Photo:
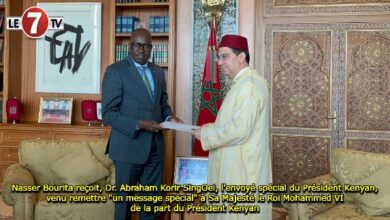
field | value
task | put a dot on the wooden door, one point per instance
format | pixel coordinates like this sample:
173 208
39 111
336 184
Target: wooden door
330 86
301 102
366 119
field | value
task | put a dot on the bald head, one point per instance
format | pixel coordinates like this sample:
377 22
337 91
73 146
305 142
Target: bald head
141 45
141 32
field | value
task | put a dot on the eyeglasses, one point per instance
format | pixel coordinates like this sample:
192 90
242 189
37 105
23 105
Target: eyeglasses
223 56
137 46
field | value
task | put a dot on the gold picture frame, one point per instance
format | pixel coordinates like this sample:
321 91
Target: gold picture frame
55 110
191 170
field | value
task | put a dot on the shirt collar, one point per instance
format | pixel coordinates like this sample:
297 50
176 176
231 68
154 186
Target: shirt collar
139 65
240 72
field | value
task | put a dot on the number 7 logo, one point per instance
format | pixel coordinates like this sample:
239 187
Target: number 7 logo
35 22
34 26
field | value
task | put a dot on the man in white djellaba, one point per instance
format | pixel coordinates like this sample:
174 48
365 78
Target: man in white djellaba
238 141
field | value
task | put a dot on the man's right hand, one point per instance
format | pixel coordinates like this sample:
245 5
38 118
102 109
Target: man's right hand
150 126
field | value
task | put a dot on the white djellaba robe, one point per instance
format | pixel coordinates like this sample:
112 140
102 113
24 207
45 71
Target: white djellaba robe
238 141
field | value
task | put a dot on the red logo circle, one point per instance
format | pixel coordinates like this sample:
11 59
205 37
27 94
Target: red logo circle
35 22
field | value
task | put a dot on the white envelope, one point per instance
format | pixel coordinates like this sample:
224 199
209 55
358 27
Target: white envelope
179 126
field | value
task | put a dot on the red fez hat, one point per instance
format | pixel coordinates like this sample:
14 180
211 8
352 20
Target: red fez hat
234 41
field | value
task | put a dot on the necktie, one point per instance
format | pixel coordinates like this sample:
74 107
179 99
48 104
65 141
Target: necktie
145 79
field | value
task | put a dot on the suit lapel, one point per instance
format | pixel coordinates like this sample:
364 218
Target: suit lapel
156 82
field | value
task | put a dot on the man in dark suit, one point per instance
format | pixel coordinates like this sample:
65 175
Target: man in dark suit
134 103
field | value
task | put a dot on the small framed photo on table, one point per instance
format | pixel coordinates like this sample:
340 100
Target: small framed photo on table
191 170
55 110
99 114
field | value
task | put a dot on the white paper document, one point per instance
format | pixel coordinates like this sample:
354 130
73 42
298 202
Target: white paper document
179 126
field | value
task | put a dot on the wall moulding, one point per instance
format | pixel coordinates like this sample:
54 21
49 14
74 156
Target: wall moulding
325 7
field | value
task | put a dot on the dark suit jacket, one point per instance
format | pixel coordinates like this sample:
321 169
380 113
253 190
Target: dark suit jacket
125 101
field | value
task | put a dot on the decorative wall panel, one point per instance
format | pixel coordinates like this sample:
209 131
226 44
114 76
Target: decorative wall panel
324 2
299 158
368 80
354 50
201 33
376 146
301 79
325 7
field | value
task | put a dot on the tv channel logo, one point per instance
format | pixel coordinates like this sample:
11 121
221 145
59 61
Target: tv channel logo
35 22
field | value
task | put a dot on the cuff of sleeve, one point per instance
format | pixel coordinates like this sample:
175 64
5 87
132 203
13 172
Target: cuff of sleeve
168 118
202 140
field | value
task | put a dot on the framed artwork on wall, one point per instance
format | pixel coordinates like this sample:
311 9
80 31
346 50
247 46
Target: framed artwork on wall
191 170
68 60
55 110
